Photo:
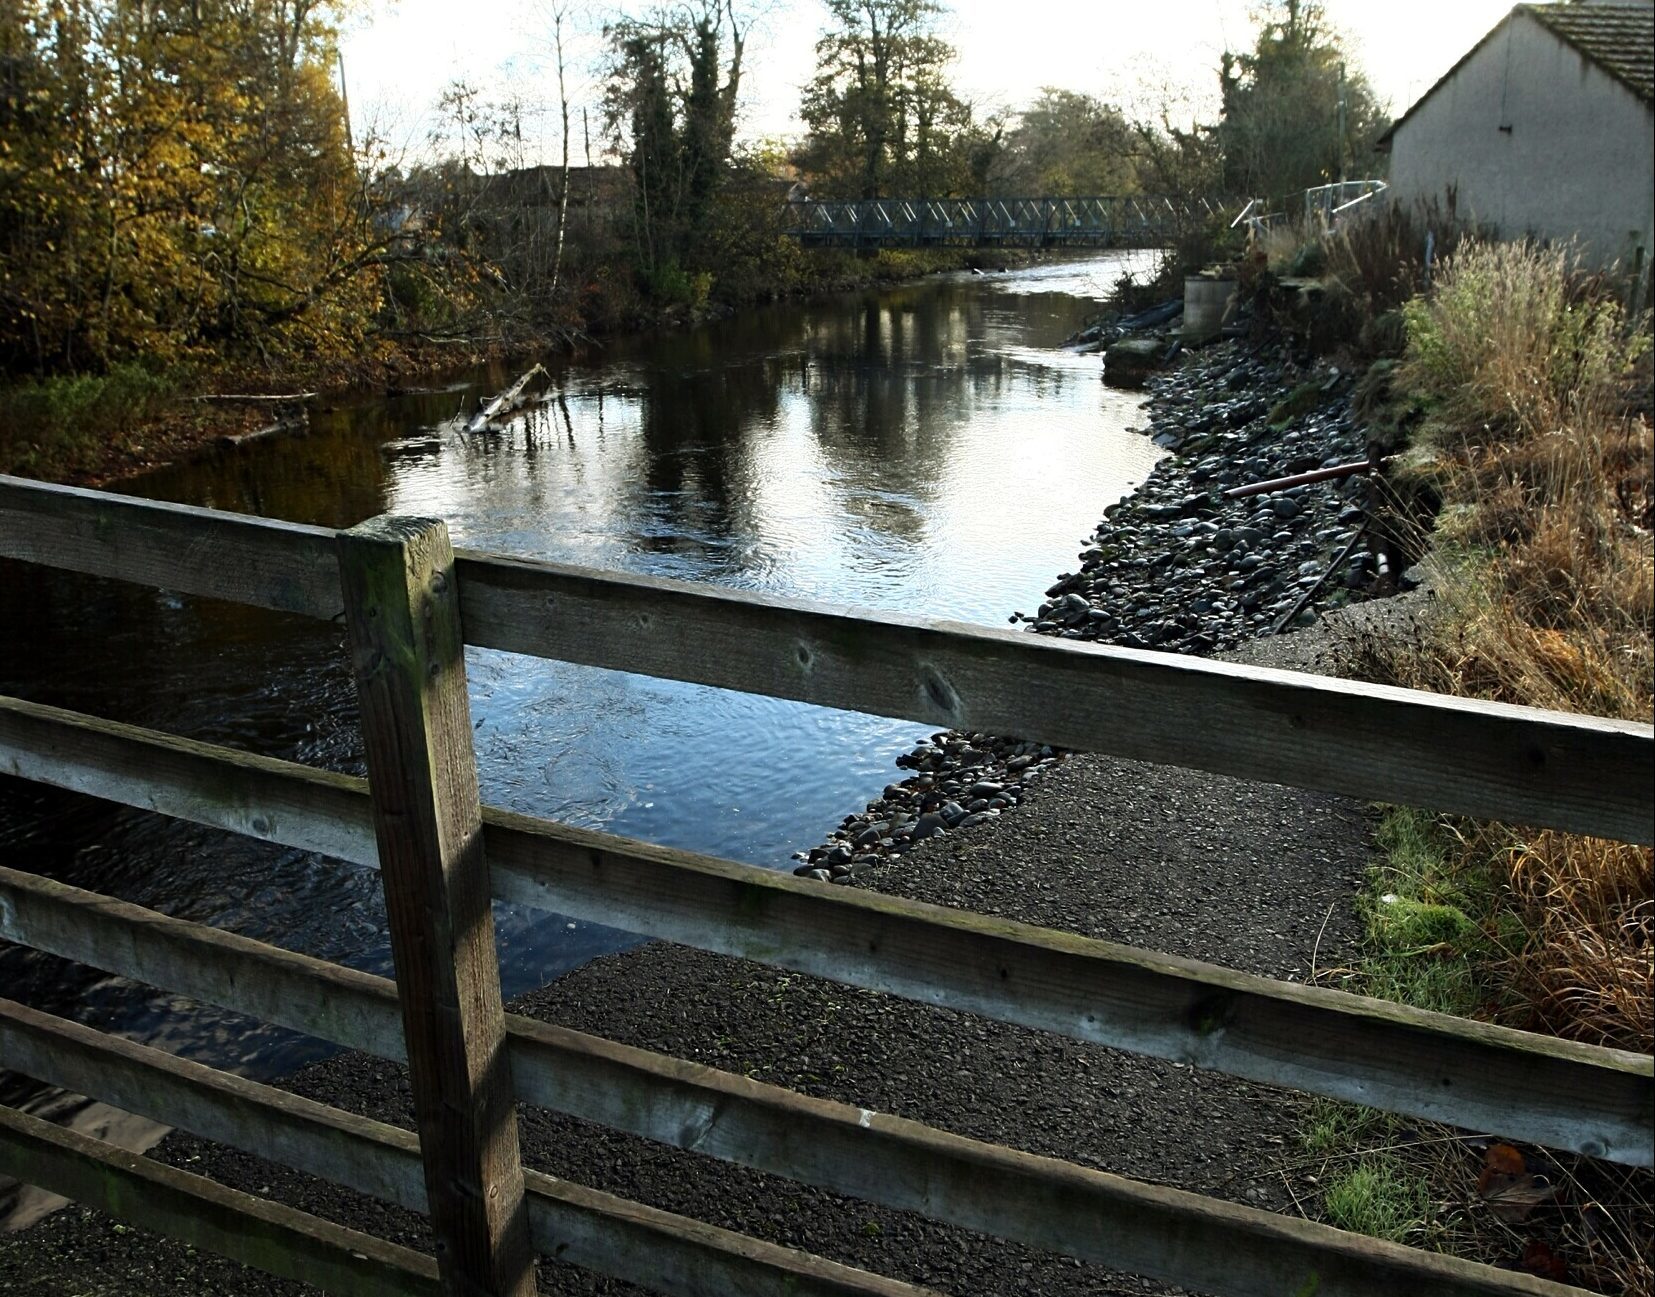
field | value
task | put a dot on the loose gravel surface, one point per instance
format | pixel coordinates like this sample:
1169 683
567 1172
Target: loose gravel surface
1253 877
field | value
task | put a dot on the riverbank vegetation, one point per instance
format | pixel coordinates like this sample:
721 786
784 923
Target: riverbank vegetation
1536 435
1515 395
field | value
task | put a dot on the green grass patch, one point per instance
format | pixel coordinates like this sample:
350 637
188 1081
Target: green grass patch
1433 918
1435 921
1335 1127
48 426
1380 1198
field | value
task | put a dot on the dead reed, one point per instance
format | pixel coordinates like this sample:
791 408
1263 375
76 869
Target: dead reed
1547 579
1537 435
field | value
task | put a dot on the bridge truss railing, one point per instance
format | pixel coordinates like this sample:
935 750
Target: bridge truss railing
1135 220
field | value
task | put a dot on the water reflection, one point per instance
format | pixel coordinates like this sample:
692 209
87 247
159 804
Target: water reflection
925 449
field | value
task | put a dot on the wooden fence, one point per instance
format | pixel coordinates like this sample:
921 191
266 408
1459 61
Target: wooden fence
410 605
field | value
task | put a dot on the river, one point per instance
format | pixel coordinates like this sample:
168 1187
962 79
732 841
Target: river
928 448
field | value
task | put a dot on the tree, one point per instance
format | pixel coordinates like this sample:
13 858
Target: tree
881 114
559 13
670 104
1175 160
1294 116
175 179
1067 144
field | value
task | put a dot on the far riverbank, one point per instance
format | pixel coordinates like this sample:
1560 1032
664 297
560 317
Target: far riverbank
103 430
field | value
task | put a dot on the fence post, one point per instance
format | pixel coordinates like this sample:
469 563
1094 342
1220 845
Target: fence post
402 612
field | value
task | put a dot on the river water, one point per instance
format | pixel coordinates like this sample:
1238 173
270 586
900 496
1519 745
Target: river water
929 449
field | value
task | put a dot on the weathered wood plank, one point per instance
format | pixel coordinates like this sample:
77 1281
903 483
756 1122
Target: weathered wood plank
369 1156
1034 1200
265 1235
1374 1052
1520 765
326 1000
258 797
1389 1056
1517 764
220 555
1195 1242
577 1225
673 1254
402 614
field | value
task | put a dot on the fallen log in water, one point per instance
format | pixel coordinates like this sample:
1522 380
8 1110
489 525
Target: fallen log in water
280 398
504 403
279 428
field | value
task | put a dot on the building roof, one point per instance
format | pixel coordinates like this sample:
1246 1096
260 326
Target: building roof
1619 38
1617 35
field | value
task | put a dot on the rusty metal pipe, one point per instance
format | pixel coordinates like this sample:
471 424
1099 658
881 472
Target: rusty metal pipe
1300 479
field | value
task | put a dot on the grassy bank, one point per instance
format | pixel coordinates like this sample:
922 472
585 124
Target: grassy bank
51 426
1537 436
89 429
1528 392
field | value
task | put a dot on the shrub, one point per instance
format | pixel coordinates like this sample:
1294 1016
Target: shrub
670 284
1545 578
1380 255
1384 335
50 423
1515 339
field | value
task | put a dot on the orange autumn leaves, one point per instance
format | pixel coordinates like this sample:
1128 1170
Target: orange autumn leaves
1510 1189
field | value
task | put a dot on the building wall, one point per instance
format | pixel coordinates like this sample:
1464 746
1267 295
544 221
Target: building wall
1537 140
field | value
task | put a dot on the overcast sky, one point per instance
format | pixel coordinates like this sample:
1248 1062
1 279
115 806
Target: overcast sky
400 54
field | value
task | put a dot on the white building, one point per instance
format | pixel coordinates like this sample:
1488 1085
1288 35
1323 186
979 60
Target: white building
1546 127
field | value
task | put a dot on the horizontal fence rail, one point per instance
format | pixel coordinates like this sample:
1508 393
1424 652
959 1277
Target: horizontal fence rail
593 1230
1517 764
1084 1213
197 1211
1565 1095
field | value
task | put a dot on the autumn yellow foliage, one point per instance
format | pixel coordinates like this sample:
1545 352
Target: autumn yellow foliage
175 181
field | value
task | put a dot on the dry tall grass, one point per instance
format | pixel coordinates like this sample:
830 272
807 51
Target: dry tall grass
1538 436
1380 257
1548 579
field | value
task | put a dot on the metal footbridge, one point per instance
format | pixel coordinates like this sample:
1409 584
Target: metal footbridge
1135 221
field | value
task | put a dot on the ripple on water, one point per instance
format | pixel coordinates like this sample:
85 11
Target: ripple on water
929 449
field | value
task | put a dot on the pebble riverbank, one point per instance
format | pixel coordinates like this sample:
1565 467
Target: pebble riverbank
1180 568
1174 567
